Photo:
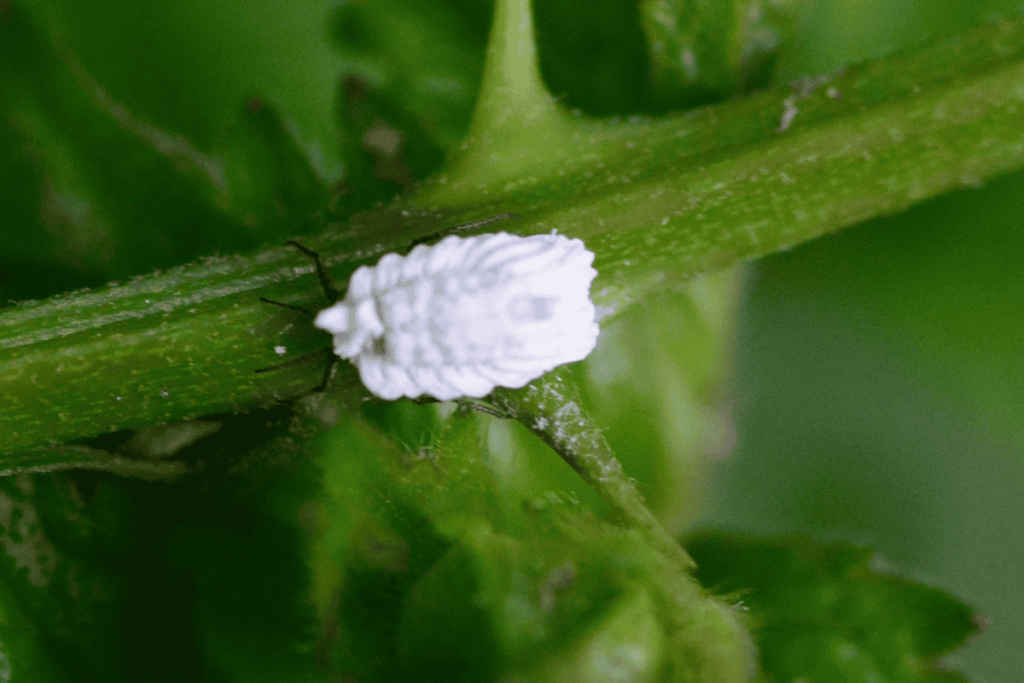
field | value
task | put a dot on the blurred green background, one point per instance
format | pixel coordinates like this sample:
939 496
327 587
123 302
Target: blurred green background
877 380
878 394
878 384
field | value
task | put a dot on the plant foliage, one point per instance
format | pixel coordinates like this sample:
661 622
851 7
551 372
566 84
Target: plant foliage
167 513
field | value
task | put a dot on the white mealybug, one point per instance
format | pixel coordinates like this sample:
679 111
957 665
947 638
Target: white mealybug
466 315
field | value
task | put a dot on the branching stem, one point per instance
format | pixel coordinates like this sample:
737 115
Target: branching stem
550 408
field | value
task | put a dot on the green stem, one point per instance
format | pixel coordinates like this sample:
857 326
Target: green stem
550 408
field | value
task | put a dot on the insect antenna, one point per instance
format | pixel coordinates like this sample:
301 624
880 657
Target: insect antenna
462 228
486 221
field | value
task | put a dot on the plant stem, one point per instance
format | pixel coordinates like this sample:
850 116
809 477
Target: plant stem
550 408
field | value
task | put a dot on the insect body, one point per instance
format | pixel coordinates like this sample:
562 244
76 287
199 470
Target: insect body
466 315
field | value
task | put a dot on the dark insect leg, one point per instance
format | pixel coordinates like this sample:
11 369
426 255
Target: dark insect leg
300 309
332 295
328 371
464 227
325 279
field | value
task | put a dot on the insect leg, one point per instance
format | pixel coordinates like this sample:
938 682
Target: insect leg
300 309
325 279
328 371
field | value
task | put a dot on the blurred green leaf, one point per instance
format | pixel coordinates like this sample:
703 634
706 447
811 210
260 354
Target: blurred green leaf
24 654
188 68
421 62
833 612
594 55
428 553
695 45
387 150
413 74
94 192
877 398
270 186
611 58
111 192
654 383
526 587
245 558
118 580
708 50
71 602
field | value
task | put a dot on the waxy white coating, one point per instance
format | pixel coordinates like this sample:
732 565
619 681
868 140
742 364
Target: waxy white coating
466 315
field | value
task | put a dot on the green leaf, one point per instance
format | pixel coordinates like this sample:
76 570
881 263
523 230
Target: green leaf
421 60
245 558
412 75
694 45
68 603
118 580
833 612
708 50
23 652
528 588
98 192
84 153
270 186
594 58
627 645
655 385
